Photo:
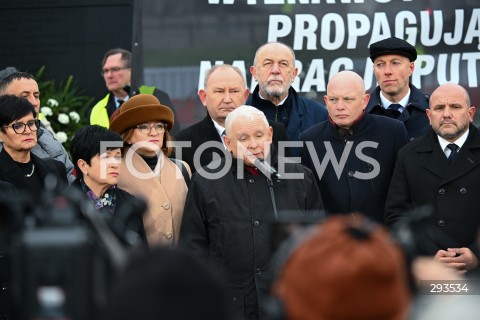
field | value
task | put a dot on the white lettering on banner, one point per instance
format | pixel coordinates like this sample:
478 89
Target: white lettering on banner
360 25
334 32
454 38
472 58
425 65
315 77
473 30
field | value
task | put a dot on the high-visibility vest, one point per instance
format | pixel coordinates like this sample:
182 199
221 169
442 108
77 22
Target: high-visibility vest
99 114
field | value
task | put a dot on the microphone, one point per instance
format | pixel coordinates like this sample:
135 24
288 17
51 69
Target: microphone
267 169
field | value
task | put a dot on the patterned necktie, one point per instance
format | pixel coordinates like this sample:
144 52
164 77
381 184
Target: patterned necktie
454 151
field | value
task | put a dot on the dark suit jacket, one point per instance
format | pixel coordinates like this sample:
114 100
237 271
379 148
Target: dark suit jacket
205 131
423 176
10 172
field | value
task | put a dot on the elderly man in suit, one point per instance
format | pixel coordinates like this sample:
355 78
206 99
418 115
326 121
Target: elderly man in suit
442 169
224 91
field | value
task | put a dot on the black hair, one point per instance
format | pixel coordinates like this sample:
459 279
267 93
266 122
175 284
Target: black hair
5 82
14 108
86 144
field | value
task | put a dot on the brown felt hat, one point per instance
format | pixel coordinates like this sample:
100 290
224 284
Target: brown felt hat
140 109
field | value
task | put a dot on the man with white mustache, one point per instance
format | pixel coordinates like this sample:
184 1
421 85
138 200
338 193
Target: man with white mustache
274 69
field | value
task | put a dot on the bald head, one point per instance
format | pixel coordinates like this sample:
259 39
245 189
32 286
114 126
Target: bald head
450 112
346 98
274 70
346 79
446 90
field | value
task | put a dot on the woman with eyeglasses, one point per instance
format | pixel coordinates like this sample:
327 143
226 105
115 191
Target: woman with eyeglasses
147 171
18 134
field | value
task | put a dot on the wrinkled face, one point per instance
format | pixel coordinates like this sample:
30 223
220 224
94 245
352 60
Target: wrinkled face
274 70
147 138
19 142
392 73
103 170
115 73
225 91
345 102
449 113
26 88
246 138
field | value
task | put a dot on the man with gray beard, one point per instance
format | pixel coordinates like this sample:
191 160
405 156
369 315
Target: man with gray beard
274 69
442 169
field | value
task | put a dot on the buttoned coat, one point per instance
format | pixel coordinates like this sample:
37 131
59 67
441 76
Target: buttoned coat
228 221
165 193
373 143
205 131
424 176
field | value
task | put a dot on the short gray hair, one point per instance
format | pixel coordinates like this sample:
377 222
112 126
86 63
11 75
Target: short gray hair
244 112
218 66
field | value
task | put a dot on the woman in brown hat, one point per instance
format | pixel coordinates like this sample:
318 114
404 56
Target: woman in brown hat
144 125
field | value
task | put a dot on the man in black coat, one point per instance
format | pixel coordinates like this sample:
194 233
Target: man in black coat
230 210
395 97
224 90
442 169
362 149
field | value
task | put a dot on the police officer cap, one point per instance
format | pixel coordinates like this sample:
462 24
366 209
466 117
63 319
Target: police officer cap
393 46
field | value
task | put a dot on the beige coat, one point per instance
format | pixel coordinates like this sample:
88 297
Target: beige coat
165 194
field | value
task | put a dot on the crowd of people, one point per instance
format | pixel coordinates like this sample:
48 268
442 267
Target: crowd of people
329 227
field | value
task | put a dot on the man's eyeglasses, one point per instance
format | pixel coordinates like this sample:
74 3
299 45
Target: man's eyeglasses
112 70
146 128
20 127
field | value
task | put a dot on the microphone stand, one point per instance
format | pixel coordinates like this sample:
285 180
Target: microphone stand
272 197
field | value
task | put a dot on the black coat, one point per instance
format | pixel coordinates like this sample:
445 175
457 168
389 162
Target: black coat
414 116
10 172
134 221
347 191
228 222
423 176
204 131
8 194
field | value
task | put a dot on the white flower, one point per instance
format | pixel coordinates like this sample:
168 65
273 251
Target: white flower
61 136
46 111
74 116
52 102
63 118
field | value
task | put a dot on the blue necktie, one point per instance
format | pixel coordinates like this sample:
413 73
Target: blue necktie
454 151
394 106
